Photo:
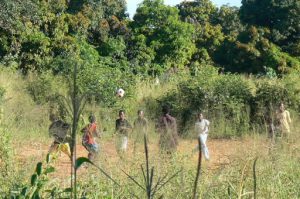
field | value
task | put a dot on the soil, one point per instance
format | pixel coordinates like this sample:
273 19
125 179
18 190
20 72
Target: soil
222 151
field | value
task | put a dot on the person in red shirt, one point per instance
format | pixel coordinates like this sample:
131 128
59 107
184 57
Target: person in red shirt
88 138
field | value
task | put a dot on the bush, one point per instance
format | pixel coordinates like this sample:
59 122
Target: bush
223 98
292 84
232 102
269 95
97 77
42 87
102 82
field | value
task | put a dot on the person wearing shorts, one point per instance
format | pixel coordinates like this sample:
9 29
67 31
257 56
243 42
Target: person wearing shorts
167 129
88 138
123 127
140 127
59 131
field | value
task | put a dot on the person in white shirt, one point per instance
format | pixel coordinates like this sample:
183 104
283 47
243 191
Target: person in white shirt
202 128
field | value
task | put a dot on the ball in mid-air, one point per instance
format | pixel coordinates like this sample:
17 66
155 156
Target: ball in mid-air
120 92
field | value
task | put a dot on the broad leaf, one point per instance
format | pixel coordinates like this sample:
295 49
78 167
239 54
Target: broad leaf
82 160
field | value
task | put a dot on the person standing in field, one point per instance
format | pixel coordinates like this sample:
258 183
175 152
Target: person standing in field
59 131
167 129
140 127
123 127
88 138
201 129
284 120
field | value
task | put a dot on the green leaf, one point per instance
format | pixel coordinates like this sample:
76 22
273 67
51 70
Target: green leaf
39 168
80 161
49 170
36 195
48 158
33 179
53 192
24 191
67 190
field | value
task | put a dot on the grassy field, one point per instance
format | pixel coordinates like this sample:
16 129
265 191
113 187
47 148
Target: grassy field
228 174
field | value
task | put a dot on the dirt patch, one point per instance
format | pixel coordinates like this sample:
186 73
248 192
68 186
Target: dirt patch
222 152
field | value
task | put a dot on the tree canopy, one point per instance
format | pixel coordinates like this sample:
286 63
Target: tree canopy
40 35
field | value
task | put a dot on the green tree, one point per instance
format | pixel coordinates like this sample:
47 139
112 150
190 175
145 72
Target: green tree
282 17
208 35
198 11
140 56
253 52
228 18
167 35
114 8
13 18
14 13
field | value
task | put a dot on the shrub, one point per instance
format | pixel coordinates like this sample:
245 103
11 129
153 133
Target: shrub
268 96
223 98
42 87
232 87
102 83
292 84
232 102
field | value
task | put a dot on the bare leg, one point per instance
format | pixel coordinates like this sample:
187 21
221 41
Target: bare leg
65 148
53 148
91 156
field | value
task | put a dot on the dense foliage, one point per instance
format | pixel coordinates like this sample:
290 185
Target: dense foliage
39 35
235 103
188 49
46 39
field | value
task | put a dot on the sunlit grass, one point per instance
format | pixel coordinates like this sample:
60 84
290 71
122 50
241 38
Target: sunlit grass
277 166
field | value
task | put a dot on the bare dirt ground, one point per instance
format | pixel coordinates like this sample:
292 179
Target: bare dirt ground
222 152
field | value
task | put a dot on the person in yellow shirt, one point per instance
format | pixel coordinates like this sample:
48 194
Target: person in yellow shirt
284 121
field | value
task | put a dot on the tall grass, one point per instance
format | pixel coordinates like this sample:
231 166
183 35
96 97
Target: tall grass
24 119
276 173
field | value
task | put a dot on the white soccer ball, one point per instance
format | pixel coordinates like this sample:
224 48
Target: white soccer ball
120 92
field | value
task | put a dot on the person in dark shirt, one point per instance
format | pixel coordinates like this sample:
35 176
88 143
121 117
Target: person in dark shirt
123 127
140 128
59 131
167 129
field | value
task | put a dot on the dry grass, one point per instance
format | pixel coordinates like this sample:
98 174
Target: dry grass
229 172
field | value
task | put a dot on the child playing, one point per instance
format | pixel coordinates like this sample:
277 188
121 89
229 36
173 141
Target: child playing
88 140
59 130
